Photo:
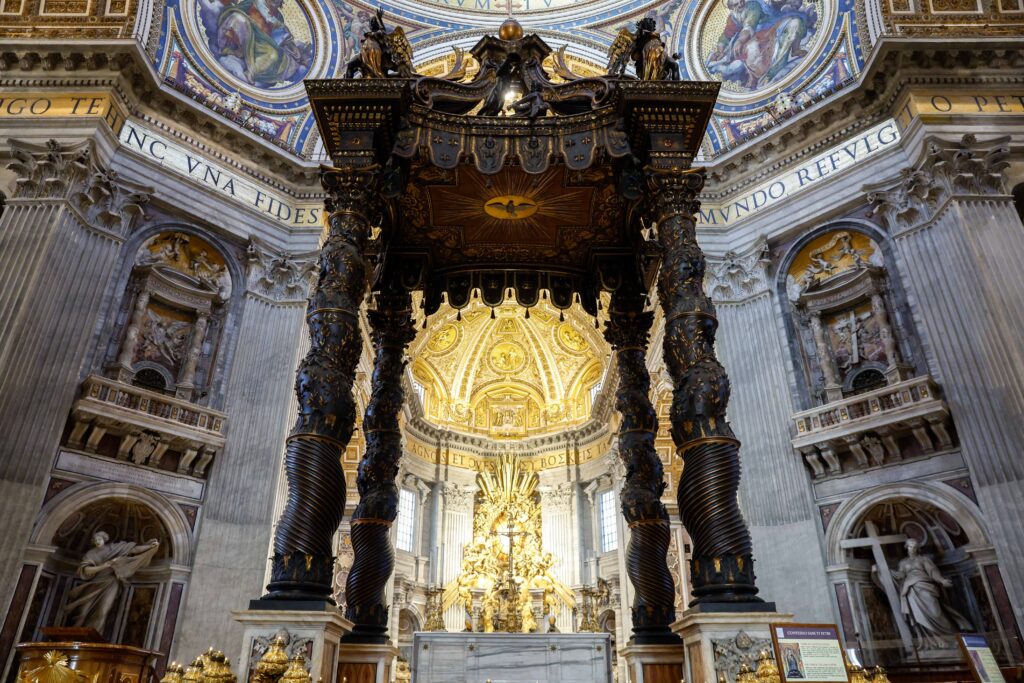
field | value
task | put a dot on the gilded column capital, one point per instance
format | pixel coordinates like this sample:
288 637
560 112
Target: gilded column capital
947 169
735 277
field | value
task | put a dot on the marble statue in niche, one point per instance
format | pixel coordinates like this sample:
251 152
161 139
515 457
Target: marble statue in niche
163 337
933 622
855 337
105 570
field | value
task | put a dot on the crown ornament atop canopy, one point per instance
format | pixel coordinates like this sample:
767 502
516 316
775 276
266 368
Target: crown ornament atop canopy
572 150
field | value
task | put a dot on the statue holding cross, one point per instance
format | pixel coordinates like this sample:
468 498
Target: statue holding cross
914 592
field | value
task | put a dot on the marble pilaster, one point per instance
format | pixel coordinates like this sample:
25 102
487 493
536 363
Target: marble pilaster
557 522
231 553
752 348
60 235
961 243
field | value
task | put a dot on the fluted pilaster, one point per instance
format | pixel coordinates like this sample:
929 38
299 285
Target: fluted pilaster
961 244
751 344
60 235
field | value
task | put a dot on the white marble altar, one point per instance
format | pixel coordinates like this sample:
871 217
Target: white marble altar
511 657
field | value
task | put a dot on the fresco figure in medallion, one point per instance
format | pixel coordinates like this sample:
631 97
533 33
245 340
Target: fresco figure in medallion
762 41
253 40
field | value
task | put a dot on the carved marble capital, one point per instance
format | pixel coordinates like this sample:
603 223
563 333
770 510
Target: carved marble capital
279 276
738 276
104 200
947 170
557 499
458 498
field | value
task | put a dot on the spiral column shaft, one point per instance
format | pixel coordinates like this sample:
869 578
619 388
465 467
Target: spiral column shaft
722 567
374 556
303 563
653 610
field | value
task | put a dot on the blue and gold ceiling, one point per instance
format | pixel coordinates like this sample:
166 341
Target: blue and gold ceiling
246 59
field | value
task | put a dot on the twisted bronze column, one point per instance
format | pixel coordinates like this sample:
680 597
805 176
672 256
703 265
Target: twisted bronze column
303 562
627 332
374 555
722 568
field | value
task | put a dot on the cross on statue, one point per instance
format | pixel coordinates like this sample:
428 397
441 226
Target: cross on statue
875 542
511 533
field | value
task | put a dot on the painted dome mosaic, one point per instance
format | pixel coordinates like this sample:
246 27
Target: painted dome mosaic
246 59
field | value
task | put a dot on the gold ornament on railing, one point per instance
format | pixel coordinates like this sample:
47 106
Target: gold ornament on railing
878 675
854 671
746 674
217 668
273 663
195 671
296 671
175 673
767 671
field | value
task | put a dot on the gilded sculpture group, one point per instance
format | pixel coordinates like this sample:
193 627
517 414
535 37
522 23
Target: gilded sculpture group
503 574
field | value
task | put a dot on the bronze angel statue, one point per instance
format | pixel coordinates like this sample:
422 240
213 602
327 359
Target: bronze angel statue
646 50
382 53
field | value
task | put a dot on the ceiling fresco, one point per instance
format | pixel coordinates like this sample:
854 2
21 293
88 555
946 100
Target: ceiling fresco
246 59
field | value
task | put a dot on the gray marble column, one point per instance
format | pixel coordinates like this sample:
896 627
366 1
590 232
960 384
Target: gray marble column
961 246
775 493
231 552
65 221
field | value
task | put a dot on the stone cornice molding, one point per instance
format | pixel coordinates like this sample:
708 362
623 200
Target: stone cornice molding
279 276
589 432
125 68
105 202
736 277
947 170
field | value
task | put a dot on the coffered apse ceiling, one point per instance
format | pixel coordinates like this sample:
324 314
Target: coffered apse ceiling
506 376
246 59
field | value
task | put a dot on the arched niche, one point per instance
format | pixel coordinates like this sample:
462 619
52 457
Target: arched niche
845 313
172 315
880 592
144 612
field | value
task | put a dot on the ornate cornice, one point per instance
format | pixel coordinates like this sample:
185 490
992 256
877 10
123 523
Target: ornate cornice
735 277
895 64
279 276
123 66
105 201
948 169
